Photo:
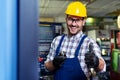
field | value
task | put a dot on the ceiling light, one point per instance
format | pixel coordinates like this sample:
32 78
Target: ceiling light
118 21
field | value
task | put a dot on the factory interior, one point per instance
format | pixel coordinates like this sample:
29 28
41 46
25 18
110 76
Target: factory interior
102 24
28 28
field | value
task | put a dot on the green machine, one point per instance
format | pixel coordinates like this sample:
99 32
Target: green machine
116 60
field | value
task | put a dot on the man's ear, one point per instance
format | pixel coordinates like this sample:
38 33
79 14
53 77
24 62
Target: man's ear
84 21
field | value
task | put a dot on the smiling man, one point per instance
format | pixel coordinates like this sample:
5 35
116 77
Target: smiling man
70 55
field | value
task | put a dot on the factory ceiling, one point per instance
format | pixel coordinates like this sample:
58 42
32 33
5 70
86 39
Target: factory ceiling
95 8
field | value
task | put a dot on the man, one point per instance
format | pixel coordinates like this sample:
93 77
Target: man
69 54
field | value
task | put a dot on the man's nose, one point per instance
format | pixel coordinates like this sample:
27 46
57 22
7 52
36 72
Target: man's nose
74 23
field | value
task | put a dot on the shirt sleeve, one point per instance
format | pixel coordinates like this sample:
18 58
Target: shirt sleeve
51 53
53 47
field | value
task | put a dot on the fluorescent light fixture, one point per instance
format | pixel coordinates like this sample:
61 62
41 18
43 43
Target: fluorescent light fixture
118 21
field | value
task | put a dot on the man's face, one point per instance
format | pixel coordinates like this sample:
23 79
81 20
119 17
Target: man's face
74 24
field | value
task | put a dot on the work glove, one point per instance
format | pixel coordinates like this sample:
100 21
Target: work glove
104 75
59 60
91 59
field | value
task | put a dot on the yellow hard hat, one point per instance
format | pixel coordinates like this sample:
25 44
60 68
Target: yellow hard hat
77 9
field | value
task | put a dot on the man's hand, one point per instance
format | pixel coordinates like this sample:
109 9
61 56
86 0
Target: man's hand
91 60
58 60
